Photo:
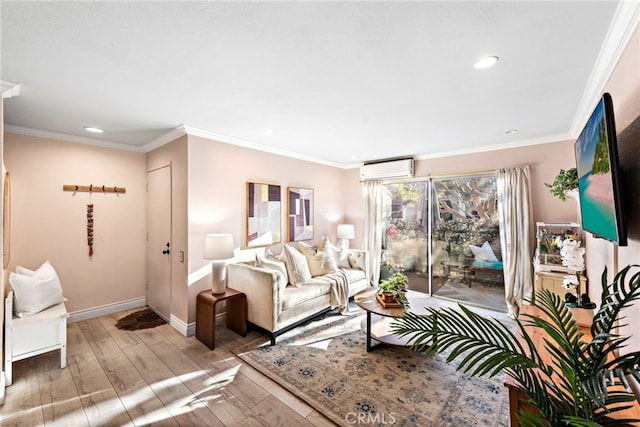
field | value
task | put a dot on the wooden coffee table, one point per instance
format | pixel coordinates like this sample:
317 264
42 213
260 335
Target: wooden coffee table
376 324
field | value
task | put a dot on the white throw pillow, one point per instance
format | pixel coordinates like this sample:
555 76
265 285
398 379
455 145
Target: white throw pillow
357 260
276 266
483 253
297 266
340 255
320 261
35 291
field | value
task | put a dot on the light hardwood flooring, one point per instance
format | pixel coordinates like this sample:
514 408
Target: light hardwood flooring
149 377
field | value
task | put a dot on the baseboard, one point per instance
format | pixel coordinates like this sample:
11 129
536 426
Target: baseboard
185 329
77 316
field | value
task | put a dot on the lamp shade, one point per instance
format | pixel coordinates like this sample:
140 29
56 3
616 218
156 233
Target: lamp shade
218 246
346 231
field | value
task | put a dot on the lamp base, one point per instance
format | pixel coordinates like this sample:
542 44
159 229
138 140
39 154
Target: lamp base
218 277
343 244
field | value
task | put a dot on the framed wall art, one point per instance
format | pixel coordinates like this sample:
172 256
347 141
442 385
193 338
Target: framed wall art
263 214
300 213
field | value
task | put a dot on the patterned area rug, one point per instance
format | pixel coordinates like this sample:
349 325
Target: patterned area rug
325 363
142 319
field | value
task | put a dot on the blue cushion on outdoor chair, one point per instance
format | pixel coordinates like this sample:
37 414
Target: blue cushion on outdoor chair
488 264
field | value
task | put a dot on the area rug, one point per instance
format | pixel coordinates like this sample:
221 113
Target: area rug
143 319
325 363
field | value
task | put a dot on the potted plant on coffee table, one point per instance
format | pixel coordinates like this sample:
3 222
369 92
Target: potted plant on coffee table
394 289
581 384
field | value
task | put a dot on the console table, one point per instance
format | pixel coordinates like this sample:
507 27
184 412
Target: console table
236 314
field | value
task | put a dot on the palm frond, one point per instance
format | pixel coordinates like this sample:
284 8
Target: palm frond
576 387
460 330
606 370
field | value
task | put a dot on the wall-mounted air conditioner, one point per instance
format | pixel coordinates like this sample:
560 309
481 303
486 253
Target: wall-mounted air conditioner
383 170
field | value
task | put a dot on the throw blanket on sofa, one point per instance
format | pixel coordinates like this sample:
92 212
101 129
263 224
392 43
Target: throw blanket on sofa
339 290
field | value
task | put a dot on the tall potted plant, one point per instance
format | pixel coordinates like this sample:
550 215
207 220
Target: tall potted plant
574 389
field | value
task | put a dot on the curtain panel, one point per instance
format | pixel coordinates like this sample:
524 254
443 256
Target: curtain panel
372 194
516 235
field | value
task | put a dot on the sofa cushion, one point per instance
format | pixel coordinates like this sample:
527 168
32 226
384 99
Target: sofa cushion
320 260
297 266
341 256
276 266
357 260
312 288
353 275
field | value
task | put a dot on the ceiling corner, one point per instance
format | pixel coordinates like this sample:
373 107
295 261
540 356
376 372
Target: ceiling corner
624 23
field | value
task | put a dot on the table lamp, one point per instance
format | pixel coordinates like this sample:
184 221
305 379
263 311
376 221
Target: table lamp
345 233
218 247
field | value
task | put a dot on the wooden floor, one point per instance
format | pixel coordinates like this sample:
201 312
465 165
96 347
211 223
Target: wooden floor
149 377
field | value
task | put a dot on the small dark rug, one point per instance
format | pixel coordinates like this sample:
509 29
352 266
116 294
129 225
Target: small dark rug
142 319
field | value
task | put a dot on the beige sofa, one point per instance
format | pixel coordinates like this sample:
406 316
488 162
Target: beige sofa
278 307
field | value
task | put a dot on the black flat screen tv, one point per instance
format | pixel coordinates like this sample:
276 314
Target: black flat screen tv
600 176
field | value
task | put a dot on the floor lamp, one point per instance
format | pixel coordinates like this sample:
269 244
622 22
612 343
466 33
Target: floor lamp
218 247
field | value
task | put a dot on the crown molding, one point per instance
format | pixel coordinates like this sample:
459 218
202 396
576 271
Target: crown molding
624 23
254 146
166 138
69 138
558 137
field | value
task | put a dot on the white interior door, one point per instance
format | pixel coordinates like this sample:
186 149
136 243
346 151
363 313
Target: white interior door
159 251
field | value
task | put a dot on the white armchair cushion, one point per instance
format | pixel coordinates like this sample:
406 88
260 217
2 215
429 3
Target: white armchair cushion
297 266
35 290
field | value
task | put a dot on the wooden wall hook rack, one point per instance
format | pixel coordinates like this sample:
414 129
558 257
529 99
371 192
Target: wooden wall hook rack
94 188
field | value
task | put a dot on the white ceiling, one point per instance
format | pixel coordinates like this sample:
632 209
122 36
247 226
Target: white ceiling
339 82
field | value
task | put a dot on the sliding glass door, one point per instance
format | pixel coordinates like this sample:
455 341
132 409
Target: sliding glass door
444 234
465 241
406 226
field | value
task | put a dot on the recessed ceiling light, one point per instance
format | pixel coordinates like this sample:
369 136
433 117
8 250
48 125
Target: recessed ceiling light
270 132
93 129
510 131
486 62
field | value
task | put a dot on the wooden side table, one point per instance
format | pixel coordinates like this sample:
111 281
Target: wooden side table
236 314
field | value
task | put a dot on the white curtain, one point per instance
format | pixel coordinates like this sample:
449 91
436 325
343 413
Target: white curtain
516 235
372 193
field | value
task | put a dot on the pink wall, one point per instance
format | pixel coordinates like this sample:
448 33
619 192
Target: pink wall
48 223
544 160
218 175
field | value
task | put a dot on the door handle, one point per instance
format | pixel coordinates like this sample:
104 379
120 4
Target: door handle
167 251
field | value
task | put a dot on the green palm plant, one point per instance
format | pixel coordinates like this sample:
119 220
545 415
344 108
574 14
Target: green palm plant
576 388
